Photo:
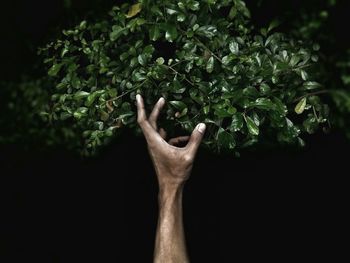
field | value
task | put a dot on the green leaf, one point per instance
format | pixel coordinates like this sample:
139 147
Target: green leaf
233 12
178 88
160 61
294 60
179 105
210 65
316 47
206 109
82 25
139 77
208 31
252 127
237 122
53 71
171 11
281 108
263 103
148 50
181 17
222 113
304 74
80 112
170 32
275 23
154 33
226 60
104 116
310 124
124 56
264 88
65 115
81 94
189 66
193 5
300 107
226 139
142 59
234 48
134 10
231 110
92 97
64 52
117 31
309 85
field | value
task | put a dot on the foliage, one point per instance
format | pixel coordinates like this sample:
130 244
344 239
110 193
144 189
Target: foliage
334 65
203 57
249 84
26 101
341 97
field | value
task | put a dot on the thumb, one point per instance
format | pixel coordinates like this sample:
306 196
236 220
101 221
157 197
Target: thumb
196 138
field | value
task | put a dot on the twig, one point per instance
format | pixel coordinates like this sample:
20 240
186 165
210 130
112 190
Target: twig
128 92
178 73
204 46
311 94
211 52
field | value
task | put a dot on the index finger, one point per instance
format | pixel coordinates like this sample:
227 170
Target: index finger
146 127
141 113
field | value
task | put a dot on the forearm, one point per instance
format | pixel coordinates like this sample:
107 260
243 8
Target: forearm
170 246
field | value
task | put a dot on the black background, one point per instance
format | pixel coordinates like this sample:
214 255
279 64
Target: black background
56 207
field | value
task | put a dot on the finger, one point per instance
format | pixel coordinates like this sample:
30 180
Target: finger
147 129
196 138
141 113
162 133
178 140
151 135
155 113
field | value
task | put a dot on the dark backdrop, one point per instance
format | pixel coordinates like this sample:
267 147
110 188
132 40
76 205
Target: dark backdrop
56 207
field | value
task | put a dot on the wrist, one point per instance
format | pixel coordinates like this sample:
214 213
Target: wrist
169 192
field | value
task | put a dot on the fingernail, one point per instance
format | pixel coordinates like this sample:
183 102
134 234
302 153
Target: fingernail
161 100
201 127
138 97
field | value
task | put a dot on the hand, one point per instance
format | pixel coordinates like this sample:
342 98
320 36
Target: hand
173 164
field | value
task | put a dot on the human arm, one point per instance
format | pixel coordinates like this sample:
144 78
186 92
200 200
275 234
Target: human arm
173 167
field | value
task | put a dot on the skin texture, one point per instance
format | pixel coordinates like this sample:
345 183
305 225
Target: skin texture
173 167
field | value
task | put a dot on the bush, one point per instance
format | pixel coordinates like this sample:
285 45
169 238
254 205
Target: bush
203 57
249 84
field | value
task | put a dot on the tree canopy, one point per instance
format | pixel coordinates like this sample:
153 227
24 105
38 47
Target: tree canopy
250 84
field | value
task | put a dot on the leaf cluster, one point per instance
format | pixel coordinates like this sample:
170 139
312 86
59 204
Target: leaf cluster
203 57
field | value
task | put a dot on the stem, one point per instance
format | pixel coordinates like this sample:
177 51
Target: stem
177 63
204 46
178 73
185 78
314 110
311 94
211 52
128 92
302 66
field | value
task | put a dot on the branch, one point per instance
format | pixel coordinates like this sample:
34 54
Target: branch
128 92
178 73
204 46
211 52
311 94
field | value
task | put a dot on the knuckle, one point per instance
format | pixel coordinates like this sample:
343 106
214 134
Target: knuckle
140 121
187 157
